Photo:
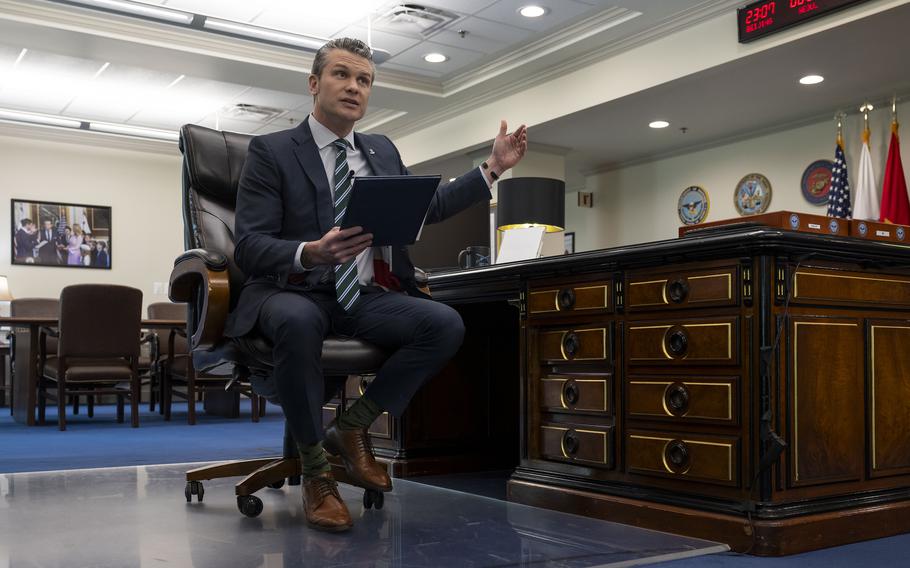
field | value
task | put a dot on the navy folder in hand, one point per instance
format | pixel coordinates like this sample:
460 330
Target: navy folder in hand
393 208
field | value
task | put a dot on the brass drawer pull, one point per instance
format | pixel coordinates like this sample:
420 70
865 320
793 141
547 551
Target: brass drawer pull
570 442
566 299
676 455
678 290
677 341
364 384
677 398
571 344
570 392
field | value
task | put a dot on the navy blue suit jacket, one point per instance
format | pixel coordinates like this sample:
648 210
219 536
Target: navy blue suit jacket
284 198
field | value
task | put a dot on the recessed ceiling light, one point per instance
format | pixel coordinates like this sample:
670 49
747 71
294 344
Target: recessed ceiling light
435 58
659 124
532 11
811 80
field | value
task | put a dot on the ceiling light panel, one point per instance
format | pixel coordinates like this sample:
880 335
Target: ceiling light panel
323 19
119 93
559 13
237 10
44 82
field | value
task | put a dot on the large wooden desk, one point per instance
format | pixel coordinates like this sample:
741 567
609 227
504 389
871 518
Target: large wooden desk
25 383
748 386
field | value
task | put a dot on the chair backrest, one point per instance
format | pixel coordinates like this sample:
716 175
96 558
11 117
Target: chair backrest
100 321
169 310
212 163
37 307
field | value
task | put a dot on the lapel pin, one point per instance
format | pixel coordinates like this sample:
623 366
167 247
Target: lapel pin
372 152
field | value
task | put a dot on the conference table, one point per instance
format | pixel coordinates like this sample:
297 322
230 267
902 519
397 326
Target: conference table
25 383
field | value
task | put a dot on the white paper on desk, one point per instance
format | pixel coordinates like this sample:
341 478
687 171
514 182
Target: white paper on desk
520 244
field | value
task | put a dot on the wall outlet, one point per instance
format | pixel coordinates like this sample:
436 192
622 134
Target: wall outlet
159 288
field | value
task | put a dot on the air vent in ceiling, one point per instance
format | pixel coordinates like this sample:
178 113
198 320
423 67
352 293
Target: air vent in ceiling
415 18
256 113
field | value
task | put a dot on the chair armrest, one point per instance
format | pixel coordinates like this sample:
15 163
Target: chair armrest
200 279
421 278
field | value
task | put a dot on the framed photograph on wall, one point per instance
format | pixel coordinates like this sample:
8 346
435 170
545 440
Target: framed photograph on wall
569 239
47 233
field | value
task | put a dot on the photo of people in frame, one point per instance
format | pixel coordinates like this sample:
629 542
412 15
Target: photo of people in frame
61 234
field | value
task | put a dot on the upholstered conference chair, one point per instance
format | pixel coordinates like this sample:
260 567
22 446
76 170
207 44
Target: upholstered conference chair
209 281
178 377
97 349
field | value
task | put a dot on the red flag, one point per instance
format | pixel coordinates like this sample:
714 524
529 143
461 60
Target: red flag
895 206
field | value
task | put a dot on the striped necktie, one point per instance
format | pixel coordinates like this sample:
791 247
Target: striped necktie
347 282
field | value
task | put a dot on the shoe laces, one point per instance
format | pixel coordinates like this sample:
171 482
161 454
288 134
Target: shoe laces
323 487
364 441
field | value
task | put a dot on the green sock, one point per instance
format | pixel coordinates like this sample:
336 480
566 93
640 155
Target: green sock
361 414
312 460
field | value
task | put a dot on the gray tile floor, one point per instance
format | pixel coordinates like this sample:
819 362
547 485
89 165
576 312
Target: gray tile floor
138 516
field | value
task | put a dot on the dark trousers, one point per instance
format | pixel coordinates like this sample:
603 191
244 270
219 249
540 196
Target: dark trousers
422 334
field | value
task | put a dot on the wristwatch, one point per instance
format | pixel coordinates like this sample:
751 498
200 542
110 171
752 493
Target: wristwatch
487 169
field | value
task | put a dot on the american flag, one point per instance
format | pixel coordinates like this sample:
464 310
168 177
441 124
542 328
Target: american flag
839 196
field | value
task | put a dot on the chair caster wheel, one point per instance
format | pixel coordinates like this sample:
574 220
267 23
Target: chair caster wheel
277 485
373 498
193 488
249 505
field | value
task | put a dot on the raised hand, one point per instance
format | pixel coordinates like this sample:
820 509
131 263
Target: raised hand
508 148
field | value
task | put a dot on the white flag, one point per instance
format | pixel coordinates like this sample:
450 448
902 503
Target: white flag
865 203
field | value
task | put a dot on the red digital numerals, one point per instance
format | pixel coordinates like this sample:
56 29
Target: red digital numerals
762 16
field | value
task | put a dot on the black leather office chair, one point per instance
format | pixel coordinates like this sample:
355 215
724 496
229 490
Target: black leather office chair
209 281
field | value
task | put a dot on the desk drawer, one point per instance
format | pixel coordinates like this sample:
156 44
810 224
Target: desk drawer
683 400
585 344
706 341
684 289
582 444
819 285
712 459
570 298
560 393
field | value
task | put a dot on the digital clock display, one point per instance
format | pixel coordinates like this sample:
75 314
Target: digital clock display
759 19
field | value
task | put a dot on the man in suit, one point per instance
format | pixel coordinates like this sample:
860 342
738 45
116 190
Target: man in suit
26 239
47 243
308 277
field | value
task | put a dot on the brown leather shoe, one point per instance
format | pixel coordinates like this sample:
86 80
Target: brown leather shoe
323 506
357 453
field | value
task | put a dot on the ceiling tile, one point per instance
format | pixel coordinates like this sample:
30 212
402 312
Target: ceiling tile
190 100
415 70
460 6
506 11
393 43
118 93
45 82
483 35
274 99
458 58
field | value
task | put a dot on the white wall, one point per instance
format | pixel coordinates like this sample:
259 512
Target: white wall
638 203
142 189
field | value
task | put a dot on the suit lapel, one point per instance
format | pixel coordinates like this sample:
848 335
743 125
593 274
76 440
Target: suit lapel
308 156
371 154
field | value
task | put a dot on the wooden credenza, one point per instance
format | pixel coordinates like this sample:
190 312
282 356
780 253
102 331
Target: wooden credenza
750 386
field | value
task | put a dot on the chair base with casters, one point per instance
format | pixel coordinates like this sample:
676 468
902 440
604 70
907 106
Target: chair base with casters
250 360
265 472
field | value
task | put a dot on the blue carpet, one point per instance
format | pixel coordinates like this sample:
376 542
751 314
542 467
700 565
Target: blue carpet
102 442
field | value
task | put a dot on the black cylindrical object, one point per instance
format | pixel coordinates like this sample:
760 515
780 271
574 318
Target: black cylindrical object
528 201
